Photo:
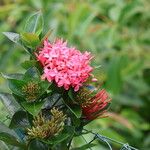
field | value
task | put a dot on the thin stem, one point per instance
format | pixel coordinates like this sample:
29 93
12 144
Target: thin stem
69 144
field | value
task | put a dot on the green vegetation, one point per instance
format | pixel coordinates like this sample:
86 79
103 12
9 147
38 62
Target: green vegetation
117 32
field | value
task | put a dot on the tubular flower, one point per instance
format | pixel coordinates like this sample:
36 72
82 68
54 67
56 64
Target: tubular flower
96 106
68 67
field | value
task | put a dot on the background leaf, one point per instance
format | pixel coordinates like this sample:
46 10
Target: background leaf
34 24
14 37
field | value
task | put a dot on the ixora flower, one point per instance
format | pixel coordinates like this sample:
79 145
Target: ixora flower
95 106
67 66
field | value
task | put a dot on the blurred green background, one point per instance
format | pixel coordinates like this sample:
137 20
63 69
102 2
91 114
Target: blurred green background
117 32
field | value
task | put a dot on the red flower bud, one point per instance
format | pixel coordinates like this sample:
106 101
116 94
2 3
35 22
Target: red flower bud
96 106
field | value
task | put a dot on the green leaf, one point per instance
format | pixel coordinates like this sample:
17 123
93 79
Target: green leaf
30 39
44 85
70 130
34 24
9 139
32 74
9 136
66 134
58 139
3 146
33 108
12 76
76 110
146 76
10 103
84 147
37 145
19 120
114 81
16 86
71 94
14 37
4 128
29 63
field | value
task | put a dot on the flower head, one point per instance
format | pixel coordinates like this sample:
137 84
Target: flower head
96 106
67 66
43 128
31 91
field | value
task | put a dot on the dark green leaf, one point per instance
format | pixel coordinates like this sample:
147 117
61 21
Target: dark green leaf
9 139
9 136
84 147
16 86
58 139
146 76
4 128
9 102
32 74
71 94
12 36
28 64
37 145
44 85
66 134
75 109
34 24
19 120
33 108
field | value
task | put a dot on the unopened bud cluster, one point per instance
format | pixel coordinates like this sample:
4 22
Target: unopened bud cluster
31 90
43 128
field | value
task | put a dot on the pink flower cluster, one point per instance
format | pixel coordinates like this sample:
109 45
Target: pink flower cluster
68 67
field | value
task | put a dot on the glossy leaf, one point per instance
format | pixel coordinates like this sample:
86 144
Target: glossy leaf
66 134
9 136
37 145
71 94
16 86
19 120
9 102
33 108
32 74
76 110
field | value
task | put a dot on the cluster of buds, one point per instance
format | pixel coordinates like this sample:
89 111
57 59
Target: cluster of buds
43 128
31 90
93 106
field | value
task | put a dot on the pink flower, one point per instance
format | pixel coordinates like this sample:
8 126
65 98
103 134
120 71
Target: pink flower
96 106
67 66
